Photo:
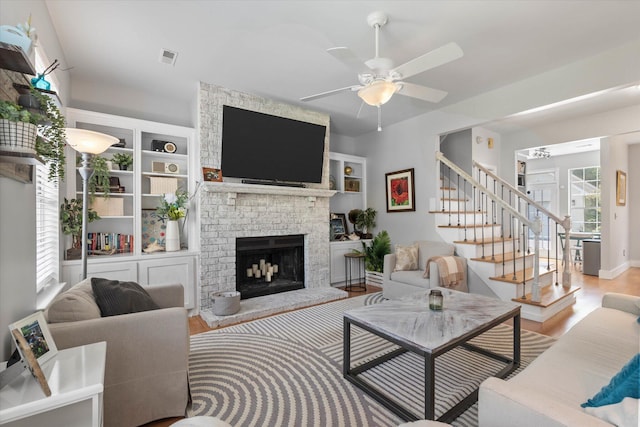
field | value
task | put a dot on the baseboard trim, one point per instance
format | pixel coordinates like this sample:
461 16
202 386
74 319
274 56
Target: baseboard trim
612 274
634 263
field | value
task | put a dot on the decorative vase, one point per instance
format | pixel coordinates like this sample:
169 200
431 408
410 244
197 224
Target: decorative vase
172 237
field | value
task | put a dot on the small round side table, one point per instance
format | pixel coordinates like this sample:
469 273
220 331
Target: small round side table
358 259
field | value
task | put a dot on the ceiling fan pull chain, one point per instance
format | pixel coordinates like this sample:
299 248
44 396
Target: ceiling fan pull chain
379 119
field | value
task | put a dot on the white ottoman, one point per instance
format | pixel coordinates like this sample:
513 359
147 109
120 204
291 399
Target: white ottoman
201 422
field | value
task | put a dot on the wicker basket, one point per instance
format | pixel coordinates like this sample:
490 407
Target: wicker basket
18 136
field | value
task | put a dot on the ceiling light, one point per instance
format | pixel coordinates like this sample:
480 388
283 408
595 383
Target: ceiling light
378 92
541 153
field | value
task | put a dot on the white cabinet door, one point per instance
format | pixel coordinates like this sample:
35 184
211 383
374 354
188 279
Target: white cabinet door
126 271
167 271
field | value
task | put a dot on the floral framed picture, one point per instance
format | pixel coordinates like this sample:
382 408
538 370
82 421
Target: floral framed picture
401 196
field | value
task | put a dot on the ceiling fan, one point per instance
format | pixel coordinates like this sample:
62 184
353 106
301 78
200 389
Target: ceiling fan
379 79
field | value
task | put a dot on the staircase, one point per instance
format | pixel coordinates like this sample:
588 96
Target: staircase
511 243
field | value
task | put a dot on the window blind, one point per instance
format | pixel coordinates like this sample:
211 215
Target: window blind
47 230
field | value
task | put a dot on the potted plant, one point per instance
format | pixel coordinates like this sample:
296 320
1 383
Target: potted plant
99 181
17 122
365 221
123 160
374 253
71 220
18 130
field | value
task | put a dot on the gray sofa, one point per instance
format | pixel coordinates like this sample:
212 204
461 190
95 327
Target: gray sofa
396 284
146 373
550 390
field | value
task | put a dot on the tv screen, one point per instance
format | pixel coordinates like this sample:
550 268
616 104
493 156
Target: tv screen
265 147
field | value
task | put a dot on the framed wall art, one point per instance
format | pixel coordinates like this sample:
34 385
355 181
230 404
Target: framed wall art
212 174
621 188
338 225
401 196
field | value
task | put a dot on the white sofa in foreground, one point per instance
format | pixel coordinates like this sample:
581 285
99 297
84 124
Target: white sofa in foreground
550 390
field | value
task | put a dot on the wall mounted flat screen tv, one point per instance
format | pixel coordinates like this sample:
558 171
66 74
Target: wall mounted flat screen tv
264 147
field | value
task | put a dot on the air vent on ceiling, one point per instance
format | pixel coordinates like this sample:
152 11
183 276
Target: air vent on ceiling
168 56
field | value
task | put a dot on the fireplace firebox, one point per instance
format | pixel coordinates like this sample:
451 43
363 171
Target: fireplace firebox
269 265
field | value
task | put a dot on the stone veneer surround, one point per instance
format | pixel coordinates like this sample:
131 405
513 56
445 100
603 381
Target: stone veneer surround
229 210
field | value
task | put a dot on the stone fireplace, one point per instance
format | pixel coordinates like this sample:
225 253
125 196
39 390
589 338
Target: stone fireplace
231 210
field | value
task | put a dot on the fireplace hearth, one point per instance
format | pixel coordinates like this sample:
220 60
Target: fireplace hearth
269 265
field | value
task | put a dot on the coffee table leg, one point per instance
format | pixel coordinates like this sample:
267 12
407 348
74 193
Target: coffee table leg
429 388
516 341
346 347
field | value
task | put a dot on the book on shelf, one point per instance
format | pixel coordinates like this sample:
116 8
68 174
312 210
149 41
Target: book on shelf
109 243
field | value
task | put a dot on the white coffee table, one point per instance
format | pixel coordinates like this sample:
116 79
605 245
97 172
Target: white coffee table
76 380
410 324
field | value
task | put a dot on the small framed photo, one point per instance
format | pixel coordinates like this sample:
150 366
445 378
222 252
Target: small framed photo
211 174
621 188
36 333
338 225
401 196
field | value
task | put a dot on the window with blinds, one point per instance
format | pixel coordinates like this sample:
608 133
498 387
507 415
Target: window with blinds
47 230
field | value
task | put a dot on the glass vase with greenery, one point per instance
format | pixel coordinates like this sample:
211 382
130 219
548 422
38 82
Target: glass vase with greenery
173 206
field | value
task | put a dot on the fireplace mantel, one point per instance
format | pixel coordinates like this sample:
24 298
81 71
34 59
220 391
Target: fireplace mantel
236 187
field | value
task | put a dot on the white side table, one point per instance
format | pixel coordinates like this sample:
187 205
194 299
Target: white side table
76 380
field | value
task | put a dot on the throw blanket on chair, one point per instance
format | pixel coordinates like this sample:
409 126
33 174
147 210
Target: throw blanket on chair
451 271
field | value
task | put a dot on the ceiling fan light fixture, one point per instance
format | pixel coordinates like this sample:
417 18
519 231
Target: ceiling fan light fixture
378 92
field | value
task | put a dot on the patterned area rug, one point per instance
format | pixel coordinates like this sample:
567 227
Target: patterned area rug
286 370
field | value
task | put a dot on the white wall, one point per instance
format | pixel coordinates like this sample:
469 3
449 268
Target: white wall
609 124
614 251
17 200
111 98
633 184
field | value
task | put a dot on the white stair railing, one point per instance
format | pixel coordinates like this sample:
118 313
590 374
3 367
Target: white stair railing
489 200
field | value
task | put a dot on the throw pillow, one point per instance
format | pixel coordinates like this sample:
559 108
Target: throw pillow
406 258
115 297
625 383
78 303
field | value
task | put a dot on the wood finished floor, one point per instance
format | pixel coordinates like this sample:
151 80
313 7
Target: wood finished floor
588 298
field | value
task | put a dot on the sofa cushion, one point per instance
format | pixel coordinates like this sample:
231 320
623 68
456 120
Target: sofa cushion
115 297
626 383
623 414
78 303
413 277
406 258
428 249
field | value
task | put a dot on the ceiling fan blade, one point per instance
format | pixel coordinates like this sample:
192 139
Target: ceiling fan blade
435 58
421 92
330 92
347 57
